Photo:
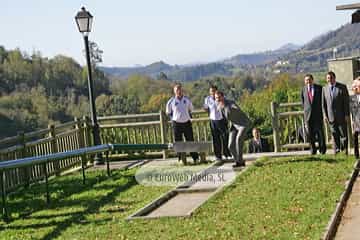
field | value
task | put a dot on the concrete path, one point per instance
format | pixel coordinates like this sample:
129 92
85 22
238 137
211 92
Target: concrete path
185 199
209 180
349 226
180 205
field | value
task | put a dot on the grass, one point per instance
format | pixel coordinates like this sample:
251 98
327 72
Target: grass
288 198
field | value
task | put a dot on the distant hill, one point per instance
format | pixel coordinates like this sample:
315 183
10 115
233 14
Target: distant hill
176 72
262 57
151 70
313 56
194 72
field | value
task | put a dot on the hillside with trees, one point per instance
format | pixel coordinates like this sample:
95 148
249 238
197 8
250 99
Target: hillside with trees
313 56
36 91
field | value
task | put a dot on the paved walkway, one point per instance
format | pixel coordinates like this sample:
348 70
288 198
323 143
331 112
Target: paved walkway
349 226
182 201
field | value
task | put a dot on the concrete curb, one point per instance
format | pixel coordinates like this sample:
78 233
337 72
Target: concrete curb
331 228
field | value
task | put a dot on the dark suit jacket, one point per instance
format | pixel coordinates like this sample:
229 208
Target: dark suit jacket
256 148
336 108
312 110
235 115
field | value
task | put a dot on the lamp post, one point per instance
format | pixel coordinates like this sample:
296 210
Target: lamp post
84 21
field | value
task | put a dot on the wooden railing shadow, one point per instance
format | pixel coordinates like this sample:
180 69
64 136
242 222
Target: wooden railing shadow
70 187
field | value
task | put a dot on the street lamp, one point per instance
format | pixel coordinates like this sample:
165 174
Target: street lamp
84 21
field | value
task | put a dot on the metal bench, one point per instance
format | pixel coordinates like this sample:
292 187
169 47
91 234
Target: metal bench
186 147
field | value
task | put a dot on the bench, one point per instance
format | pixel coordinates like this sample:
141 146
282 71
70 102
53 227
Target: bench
186 147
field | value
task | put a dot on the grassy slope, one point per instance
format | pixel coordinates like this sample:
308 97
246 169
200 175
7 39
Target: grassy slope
291 198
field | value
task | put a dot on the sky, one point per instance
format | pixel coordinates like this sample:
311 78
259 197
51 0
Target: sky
140 32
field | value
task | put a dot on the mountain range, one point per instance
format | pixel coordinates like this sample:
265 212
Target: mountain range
289 58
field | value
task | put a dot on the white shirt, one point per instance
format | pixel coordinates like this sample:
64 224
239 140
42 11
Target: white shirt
211 104
179 109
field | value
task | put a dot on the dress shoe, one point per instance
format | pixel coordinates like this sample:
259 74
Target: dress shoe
237 165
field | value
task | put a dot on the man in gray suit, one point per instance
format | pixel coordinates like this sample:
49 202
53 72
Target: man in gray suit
311 95
239 123
335 101
355 113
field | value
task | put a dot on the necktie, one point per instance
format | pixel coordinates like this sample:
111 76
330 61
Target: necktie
310 94
332 91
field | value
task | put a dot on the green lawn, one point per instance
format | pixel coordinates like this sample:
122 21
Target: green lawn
288 198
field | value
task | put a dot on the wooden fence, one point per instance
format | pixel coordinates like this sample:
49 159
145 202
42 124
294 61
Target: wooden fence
65 137
289 130
150 128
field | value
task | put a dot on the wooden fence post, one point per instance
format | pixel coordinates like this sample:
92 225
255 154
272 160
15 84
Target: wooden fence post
54 147
87 132
163 128
80 134
23 154
275 125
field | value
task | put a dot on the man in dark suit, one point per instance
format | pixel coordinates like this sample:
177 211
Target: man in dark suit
311 96
258 144
336 109
239 123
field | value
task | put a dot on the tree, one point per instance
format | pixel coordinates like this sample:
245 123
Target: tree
16 69
95 54
155 103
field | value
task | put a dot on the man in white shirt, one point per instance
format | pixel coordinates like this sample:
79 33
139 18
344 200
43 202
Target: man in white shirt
179 109
218 126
